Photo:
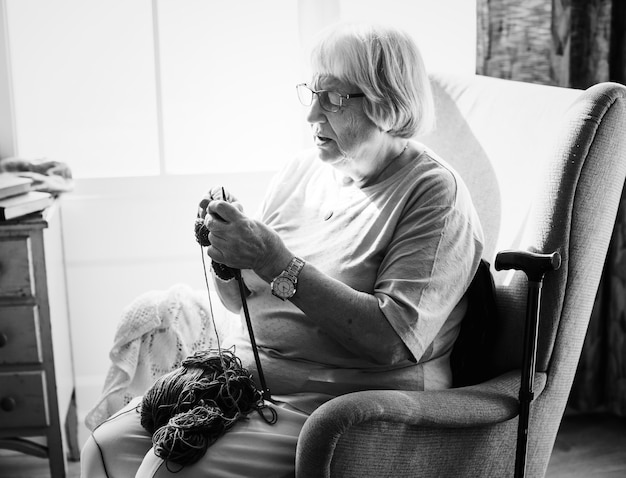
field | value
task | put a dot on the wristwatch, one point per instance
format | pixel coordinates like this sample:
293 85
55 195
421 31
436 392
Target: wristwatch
284 285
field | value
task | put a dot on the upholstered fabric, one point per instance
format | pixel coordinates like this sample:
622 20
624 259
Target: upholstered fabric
546 167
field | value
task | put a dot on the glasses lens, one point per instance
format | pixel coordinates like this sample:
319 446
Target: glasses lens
325 101
330 100
305 94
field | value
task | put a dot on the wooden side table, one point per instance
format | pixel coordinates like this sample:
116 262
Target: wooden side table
37 391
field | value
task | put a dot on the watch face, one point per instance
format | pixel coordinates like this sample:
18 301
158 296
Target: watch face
283 287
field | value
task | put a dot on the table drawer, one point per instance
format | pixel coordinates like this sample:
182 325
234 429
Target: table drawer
16 271
23 400
20 341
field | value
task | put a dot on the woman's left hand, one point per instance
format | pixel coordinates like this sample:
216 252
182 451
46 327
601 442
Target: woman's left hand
244 243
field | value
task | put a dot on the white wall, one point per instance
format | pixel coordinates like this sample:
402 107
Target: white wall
128 235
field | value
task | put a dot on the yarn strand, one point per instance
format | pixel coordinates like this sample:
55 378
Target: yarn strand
190 408
213 323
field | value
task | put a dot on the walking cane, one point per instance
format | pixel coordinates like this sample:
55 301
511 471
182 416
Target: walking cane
535 266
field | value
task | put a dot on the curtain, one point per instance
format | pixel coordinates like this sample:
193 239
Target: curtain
571 43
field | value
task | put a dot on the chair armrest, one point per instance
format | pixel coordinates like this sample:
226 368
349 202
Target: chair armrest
488 403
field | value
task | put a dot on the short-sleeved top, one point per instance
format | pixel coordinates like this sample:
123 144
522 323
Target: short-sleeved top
413 240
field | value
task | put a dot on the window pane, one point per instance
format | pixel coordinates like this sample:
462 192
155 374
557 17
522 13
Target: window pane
85 89
228 76
445 30
83 81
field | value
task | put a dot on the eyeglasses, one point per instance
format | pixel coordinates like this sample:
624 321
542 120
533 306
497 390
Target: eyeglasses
330 101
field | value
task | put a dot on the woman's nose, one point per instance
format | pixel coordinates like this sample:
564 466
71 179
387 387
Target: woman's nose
316 113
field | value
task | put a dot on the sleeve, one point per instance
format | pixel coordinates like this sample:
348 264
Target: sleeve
429 264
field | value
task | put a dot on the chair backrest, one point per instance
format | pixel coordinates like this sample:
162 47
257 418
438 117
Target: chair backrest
546 167
497 134
521 148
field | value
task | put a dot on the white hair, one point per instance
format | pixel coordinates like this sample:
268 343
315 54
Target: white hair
386 65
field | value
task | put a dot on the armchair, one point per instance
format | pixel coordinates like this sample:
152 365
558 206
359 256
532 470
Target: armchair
546 167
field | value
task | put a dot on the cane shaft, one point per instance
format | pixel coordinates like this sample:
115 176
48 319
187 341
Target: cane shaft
529 360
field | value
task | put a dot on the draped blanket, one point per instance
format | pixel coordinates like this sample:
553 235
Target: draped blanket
156 332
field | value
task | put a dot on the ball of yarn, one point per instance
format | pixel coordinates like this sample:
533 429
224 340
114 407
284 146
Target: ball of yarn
186 436
187 410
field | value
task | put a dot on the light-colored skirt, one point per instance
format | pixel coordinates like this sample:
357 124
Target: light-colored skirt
121 448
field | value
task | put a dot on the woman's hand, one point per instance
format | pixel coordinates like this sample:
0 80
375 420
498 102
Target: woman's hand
217 192
243 243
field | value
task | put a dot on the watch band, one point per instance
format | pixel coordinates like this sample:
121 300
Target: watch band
293 269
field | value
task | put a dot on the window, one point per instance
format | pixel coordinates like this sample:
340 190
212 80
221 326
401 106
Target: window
148 87
231 94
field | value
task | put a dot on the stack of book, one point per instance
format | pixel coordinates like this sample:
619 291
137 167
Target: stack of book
17 198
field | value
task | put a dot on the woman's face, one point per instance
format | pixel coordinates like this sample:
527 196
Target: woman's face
347 133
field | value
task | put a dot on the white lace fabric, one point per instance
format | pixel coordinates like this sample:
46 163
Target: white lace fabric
157 331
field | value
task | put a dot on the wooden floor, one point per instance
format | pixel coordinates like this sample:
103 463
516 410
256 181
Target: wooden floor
592 446
588 446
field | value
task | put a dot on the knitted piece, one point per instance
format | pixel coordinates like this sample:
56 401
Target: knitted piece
223 272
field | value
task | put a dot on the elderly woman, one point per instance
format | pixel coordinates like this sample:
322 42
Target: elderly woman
355 270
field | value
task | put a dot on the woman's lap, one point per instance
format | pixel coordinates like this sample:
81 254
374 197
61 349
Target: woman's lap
120 447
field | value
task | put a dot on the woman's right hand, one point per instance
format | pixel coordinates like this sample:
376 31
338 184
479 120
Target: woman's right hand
217 193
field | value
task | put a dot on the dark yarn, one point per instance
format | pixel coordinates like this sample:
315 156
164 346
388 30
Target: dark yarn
187 410
201 232
202 237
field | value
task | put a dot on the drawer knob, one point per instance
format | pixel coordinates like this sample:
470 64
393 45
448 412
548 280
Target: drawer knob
7 404
3 339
